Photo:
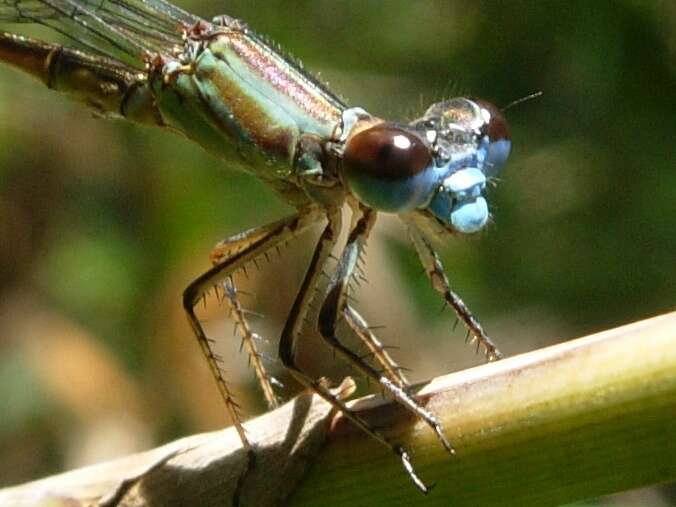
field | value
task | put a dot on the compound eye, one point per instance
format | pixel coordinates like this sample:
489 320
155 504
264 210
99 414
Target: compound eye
389 168
386 151
499 139
496 125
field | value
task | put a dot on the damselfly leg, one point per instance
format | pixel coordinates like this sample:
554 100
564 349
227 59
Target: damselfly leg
292 330
434 270
375 347
244 248
249 340
334 308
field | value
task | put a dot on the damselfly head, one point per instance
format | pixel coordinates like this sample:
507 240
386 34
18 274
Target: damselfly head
438 164
471 143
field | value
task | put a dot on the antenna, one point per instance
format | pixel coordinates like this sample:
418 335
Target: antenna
522 100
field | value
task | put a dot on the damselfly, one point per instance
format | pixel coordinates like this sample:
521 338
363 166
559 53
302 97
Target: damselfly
223 86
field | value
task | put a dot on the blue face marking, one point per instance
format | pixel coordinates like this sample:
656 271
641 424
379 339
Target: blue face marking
459 201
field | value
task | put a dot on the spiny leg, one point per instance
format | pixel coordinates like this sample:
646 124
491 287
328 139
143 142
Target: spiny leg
293 327
360 327
376 349
249 338
435 272
221 252
261 240
334 307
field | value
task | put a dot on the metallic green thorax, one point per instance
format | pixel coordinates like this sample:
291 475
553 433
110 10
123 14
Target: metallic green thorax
244 102
226 89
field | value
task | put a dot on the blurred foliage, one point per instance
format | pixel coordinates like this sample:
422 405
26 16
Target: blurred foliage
104 223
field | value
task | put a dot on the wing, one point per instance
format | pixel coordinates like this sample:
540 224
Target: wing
122 29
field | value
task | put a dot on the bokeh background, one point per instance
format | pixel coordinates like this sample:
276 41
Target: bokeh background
102 224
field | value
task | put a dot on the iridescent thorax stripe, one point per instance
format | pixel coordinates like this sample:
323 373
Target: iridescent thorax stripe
260 101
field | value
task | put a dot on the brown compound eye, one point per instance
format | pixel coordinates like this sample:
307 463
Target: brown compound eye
497 125
389 168
386 152
499 140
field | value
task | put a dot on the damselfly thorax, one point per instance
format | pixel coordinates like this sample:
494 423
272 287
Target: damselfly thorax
225 87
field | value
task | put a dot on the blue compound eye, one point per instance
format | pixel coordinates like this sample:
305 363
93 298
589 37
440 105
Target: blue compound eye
389 168
498 141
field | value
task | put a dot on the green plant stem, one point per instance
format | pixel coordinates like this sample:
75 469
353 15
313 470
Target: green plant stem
582 419
586 418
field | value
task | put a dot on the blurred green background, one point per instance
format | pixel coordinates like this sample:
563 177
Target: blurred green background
103 223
